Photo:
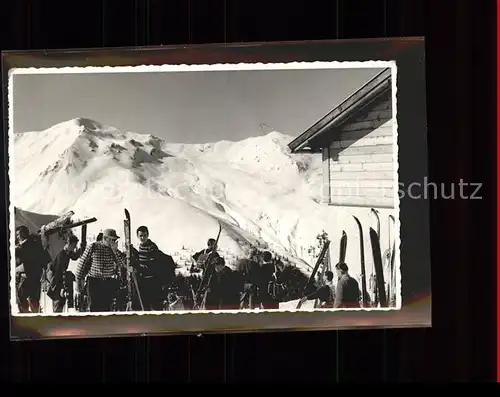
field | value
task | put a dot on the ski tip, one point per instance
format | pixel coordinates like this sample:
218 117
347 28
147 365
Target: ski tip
357 221
127 214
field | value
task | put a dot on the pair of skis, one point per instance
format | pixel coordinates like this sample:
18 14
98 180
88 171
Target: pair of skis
391 255
321 259
200 297
380 287
364 293
380 292
131 278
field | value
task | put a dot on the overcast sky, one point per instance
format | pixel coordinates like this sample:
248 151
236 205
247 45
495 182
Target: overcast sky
188 107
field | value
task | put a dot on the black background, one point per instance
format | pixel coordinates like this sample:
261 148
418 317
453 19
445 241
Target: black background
461 65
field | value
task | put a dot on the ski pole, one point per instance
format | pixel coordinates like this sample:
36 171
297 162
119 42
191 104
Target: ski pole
136 285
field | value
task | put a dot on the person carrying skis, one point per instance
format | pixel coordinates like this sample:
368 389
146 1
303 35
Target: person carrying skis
155 271
201 257
57 274
100 264
32 259
325 294
347 293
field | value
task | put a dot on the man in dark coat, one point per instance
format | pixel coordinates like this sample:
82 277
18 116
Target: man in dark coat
268 275
33 258
249 275
347 293
256 278
222 294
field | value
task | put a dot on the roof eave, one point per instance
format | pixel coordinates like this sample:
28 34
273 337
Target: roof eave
373 89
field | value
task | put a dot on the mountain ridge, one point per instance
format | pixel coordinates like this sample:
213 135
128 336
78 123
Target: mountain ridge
263 194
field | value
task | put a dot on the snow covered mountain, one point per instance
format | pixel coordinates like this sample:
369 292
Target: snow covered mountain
263 194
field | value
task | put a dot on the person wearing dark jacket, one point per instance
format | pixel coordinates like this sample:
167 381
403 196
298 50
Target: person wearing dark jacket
222 294
347 293
325 294
57 271
33 258
256 278
154 270
269 273
249 278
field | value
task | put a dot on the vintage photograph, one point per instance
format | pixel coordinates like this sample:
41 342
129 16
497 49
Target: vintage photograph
204 188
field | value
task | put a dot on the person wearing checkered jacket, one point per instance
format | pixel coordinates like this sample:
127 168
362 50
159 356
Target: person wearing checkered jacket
100 264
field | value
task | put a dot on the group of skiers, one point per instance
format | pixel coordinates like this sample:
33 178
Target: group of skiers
107 280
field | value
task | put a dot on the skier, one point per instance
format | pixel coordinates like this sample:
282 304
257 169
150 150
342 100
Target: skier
32 259
221 294
100 263
256 278
59 287
249 273
269 274
325 294
81 300
201 257
155 272
277 287
347 293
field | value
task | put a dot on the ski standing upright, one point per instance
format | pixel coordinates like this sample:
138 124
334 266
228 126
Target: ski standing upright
343 247
83 243
392 289
364 292
315 270
373 277
379 269
131 280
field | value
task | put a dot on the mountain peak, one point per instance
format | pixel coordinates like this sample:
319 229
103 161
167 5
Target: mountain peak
275 134
80 124
86 123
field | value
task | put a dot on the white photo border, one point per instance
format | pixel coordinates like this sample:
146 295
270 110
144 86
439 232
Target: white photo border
165 68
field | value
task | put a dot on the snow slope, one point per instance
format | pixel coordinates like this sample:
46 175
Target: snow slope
263 194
